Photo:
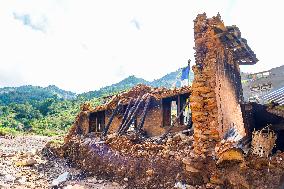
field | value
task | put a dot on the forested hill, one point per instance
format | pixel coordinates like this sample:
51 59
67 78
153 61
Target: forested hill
125 84
30 94
51 110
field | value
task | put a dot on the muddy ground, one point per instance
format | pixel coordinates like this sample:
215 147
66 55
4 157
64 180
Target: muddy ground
141 164
123 162
23 166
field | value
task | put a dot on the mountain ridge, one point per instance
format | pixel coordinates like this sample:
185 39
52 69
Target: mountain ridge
169 80
28 93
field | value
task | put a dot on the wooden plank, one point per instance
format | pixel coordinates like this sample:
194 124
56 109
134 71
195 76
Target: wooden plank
174 123
140 126
104 133
178 108
134 113
125 115
162 113
131 111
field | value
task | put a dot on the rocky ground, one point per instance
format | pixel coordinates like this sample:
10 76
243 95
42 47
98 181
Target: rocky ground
143 163
23 166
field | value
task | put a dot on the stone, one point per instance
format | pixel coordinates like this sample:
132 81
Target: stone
191 169
93 180
100 181
186 161
115 184
61 178
21 180
171 153
125 179
150 172
76 186
215 180
230 157
177 137
9 178
28 162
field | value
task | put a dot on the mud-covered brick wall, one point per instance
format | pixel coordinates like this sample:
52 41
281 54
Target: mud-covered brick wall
153 121
115 122
83 122
216 96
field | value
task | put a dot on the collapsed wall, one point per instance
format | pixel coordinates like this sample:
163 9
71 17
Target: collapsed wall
216 89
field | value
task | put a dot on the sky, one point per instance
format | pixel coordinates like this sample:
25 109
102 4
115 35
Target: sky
87 44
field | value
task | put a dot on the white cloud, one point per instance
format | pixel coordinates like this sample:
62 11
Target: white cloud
89 44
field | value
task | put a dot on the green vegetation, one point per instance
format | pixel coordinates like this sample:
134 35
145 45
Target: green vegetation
51 111
45 111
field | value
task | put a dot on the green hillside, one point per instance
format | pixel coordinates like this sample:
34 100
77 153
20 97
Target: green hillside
123 85
51 110
32 94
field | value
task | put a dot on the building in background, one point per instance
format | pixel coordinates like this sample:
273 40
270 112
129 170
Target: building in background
264 87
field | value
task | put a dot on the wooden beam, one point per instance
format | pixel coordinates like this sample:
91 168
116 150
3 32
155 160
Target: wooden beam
140 126
175 121
98 122
133 114
125 115
104 133
178 108
162 113
130 113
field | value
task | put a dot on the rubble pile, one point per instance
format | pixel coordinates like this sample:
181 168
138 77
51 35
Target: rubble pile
136 162
216 155
140 90
143 163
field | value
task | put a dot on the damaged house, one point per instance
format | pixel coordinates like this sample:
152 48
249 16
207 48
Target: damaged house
109 140
142 108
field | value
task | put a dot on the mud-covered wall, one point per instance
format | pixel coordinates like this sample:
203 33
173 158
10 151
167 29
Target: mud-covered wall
216 96
115 123
228 93
153 122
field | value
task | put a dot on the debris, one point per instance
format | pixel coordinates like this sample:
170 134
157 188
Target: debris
75 186
61 178
115 184
230 157
263 141
180 185
9 178
150 172
27 162
21 180
125 179
156 153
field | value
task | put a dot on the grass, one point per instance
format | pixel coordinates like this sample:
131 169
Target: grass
44 132
49 132
8 131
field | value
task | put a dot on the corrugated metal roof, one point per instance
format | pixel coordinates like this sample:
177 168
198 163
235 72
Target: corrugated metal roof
275 96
